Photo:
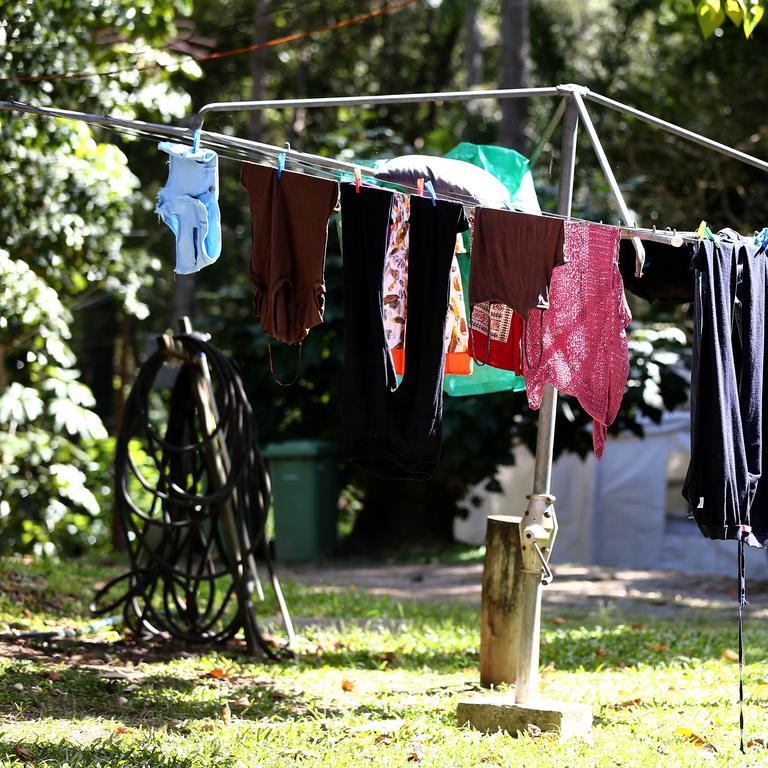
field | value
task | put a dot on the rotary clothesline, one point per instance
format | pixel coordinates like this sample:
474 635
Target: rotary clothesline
539 525
235 148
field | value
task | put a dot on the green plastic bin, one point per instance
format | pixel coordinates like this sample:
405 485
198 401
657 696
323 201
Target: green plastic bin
305 493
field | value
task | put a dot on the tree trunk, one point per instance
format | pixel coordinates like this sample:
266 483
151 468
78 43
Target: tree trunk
182 300
258 68
514 72
473 53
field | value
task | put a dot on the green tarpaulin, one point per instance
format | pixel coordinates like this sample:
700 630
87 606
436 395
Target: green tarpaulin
513 170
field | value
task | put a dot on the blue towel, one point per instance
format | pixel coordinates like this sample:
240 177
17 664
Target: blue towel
188 204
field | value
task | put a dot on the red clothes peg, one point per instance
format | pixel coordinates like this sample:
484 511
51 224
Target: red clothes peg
358 178
420 187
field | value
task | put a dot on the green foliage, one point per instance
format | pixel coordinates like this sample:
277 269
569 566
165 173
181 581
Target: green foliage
46 423
743 13
69 203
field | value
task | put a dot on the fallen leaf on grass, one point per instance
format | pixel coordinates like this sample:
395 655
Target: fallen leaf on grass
415 752
347 685
558 620
658 647
243 701
636 626
53 674
533 731
389 657
729 656
695 739
24 754
601 652
122 729
628 704
760 742
297 754
217 673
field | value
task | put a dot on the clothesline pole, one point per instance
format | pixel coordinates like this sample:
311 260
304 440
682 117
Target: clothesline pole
539 519
538 528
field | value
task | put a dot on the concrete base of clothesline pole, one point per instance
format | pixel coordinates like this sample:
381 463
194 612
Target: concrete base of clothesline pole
500 713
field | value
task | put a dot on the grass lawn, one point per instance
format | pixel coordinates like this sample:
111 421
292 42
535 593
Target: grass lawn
378 687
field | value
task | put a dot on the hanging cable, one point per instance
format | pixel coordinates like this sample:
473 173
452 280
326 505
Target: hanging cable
360 17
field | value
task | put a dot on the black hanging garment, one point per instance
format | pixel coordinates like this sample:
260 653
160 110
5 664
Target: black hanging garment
667 274
390 430
723 484
727 391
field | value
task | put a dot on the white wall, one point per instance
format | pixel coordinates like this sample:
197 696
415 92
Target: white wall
614 512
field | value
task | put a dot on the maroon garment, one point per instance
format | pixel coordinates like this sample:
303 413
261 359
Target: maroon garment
513 255
289 226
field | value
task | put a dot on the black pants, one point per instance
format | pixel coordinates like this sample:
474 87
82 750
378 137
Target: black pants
391 430
726 483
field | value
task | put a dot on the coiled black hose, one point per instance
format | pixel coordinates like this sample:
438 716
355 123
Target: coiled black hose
193 503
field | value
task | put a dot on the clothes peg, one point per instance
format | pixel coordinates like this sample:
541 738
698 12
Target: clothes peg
280 165
712 236
358 178
701 231
459 244
196 140
431 191
761 239
420 187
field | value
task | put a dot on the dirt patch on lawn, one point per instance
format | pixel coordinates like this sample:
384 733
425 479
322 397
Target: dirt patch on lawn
590 588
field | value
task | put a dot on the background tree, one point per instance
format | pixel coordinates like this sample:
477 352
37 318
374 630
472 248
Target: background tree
70 253
86 227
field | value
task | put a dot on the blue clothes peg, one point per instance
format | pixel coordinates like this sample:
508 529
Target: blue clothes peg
280 165
196 141
431 191
761 239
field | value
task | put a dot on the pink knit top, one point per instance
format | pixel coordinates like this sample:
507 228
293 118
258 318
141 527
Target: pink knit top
579 344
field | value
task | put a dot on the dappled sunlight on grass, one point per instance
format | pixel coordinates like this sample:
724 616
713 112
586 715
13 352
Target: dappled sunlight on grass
374 681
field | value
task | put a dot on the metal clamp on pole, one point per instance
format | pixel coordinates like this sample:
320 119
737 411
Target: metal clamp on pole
538 530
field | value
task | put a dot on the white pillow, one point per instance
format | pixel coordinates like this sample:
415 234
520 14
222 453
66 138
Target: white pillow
451 178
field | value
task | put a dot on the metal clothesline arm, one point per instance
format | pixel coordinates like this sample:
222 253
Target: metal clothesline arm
554 121
610 178
370 101
508 93
676 130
